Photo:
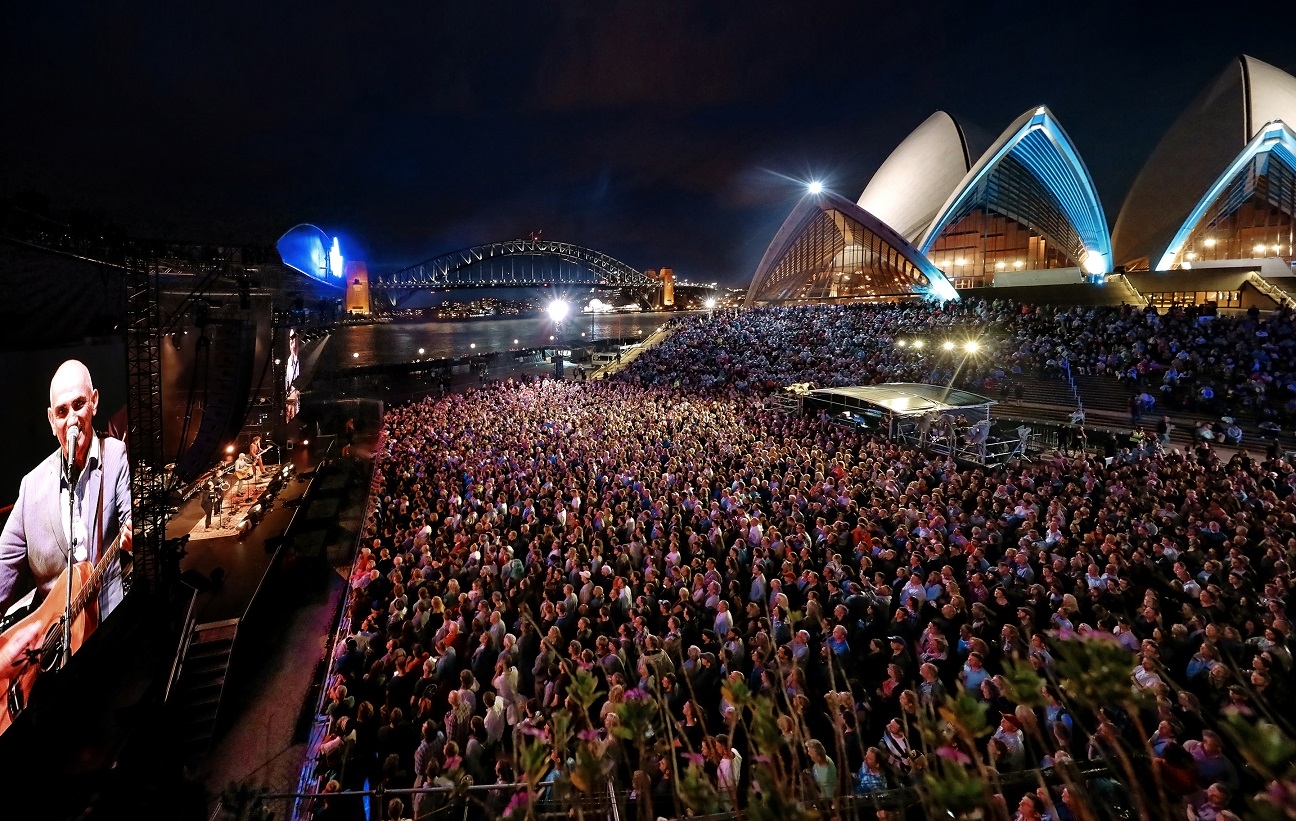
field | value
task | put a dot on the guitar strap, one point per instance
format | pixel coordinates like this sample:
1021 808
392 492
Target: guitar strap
103 476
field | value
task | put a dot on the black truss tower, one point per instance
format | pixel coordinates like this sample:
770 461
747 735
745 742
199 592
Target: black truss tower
143 373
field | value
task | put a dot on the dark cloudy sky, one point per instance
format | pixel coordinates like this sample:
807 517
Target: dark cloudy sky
660 132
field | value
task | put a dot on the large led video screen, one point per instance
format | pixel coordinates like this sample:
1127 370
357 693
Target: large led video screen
65 507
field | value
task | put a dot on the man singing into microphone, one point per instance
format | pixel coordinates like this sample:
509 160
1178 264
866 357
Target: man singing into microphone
39 532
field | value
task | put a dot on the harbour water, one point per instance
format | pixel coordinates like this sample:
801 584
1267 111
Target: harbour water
393 342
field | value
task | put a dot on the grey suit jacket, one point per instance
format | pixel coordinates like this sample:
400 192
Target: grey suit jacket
33 546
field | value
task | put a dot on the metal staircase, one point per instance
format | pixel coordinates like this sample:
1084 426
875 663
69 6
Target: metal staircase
195 696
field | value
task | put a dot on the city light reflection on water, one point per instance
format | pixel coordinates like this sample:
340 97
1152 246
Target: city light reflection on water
392 342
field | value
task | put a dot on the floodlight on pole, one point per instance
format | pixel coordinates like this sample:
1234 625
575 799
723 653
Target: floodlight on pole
710 304
558 310
814 188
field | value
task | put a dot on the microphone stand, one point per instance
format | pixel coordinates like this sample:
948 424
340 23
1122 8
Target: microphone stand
67 613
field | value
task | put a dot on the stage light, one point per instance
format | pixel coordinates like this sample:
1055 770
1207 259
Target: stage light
472 345
278 362
960 261
229 448
1259 249
999 266
949 346
900 343
558 310
1095 263
305 442
551 337
918 343
1209 242
710 304
1019 265
355 355
814 187
515 342
971 346
1191 255
420 351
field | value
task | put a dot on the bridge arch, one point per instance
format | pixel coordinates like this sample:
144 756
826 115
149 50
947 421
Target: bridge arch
514 263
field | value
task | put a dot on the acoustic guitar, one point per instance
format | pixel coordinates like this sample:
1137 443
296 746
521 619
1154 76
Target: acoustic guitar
47 656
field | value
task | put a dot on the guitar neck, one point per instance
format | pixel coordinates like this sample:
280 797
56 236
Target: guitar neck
91 586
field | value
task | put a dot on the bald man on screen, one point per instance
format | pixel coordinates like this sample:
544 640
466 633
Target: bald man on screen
37 536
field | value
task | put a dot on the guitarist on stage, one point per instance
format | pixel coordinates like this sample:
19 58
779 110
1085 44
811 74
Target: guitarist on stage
37 535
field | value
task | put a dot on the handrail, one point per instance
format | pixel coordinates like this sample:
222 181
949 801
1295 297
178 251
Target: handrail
186 635
301 807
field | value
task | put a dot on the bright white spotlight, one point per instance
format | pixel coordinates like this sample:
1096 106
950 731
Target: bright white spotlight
1095 263
420 351
472 345
949 346
971 346
901 343
710 304
355 355
918 343
558 310
1210 242
815 187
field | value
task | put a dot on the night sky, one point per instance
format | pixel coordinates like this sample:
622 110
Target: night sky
665 133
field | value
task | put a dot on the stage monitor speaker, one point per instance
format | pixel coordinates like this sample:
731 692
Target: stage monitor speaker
229 384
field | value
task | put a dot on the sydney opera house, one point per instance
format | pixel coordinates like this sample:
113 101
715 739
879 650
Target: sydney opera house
1211 217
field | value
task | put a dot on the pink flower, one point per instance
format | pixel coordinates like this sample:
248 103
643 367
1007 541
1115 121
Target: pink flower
953 754
516 805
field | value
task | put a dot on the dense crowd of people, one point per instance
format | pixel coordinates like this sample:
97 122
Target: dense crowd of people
666 533
1180 360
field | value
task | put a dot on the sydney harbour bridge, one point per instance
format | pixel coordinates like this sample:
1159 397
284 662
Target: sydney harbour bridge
520 263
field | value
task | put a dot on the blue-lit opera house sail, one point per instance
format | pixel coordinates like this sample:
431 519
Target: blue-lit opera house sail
831 250
1027 204
1219 190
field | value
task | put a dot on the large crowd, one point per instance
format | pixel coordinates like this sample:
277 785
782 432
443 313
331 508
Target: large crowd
666 533
1182 360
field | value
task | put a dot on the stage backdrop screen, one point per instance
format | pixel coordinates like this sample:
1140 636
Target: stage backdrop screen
47 510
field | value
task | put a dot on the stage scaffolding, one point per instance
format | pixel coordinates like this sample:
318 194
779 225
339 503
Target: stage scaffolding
946 421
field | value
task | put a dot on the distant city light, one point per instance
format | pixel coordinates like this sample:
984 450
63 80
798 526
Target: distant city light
815 187
558 310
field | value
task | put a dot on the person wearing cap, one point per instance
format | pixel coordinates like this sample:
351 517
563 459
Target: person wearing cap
1009 733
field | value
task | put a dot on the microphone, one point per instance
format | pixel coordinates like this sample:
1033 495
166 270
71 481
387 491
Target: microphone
73 434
